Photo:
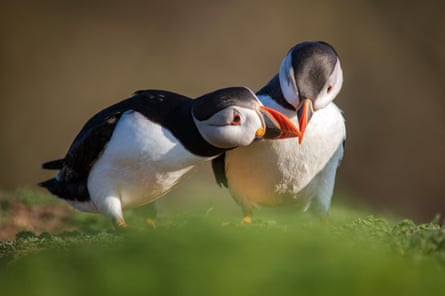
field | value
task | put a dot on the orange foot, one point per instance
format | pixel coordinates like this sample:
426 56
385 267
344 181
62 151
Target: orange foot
121 224
246 220
151 223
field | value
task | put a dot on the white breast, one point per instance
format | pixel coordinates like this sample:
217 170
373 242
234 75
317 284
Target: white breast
141 162
275 172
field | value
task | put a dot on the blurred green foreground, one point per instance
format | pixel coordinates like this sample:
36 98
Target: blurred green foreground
193 254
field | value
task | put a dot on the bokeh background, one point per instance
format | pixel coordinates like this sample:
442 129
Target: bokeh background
62 61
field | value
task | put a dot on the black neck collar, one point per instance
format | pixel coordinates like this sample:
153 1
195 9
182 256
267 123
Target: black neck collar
273 90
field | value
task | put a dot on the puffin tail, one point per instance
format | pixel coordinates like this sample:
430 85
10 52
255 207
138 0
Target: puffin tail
75 191
52 185
53 165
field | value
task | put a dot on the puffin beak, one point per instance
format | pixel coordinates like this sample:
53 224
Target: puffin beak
305 113
277 125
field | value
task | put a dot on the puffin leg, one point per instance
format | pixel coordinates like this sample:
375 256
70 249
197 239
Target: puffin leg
112 207
247 216
120 224
151 216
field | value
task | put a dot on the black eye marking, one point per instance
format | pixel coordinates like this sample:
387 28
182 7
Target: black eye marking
329 89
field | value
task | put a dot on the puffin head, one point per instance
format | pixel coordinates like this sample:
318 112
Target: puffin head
233 117
310 78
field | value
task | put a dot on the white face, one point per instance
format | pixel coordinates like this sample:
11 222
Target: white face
331 88
231 127
287 81
290 90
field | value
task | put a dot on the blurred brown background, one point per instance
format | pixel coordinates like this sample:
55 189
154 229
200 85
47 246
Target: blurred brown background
62 61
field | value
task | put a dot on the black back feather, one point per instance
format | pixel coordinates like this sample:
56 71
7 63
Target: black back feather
171 110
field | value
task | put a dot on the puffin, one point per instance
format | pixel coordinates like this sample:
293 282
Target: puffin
135 151
299 170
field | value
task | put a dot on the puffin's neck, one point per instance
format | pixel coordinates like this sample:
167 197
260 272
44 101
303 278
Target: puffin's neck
273 90
181 124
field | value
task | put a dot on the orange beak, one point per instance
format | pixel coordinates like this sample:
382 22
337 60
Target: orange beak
278 126
305 113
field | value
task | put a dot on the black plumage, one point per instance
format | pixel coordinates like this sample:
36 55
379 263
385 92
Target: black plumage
171 110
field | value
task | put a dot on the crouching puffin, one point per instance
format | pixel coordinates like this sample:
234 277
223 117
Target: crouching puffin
135 151
274 173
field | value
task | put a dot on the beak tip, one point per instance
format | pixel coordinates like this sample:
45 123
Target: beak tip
305 114
301 135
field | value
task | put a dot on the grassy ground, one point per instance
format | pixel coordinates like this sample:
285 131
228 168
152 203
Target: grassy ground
191 253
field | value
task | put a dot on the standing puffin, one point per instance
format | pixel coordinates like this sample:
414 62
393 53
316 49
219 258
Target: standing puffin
274 173
135 151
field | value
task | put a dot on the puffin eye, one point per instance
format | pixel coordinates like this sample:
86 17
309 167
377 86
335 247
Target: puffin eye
328 90
236 119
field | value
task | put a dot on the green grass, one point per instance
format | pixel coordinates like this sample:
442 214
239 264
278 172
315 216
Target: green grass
190 253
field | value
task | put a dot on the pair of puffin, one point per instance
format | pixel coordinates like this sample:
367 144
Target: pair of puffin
135 151
132 153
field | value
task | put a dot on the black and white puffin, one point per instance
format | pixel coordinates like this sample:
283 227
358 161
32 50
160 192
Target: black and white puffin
274 173
135 151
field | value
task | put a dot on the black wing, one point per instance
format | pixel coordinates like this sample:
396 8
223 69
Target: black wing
53 164
95 134
88 144
71 181
219 170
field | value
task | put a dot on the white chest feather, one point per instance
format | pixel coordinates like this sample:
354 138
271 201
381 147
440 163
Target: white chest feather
141 162
276 172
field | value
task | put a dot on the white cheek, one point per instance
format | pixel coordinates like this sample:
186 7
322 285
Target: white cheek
236 135
336 80
226 136
287 81
230 136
